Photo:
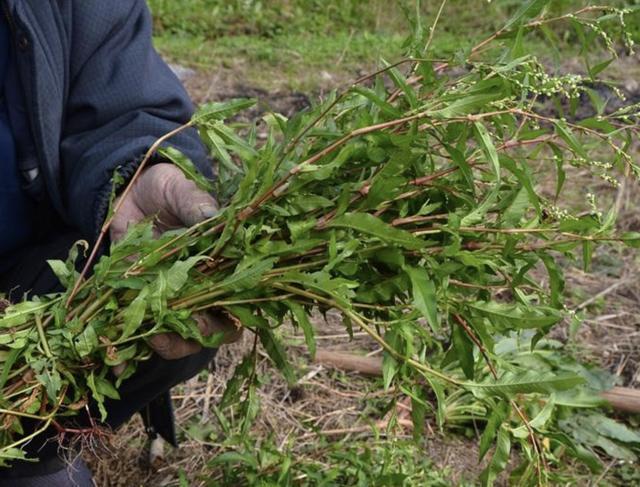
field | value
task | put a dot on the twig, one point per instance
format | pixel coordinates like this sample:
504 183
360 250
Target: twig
608 290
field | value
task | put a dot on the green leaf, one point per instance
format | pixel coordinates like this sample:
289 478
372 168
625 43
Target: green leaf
464 351
515 316
527 383
478 213
276 353
219 149
19 314
241 373
97 395
556 280
390 369
631 239
527 10
465 105
539 421
578 451
61 271
87 341
371 95
104 387
612 429
371 225
12 454
465 169
248 274
594 71
7 366
401 83
441 404
222 110
134 314
302 318
615 450
490 152
499 460
159 294
187 167
565 134
47 374
517 209
424 296
178 273
499 414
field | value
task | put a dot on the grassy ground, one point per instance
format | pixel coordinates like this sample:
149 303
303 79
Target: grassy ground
321 427
307 45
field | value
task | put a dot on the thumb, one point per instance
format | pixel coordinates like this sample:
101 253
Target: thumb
191 204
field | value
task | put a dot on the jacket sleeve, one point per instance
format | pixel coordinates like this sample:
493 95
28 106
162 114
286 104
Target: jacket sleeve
122 97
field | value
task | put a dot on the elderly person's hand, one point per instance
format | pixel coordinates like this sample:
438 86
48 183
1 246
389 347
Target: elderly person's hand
163 192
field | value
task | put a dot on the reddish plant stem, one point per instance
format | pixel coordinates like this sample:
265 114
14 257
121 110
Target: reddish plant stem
467 329
107 224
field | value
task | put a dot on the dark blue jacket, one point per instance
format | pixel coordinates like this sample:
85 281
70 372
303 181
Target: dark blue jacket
95 96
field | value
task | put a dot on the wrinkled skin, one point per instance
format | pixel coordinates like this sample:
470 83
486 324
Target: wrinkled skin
163 192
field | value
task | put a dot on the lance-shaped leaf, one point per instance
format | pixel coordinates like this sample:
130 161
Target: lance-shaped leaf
187 167
222 110
567 135
489 149
464 350
465 105
134 313
178 274
424 296
499 460
371 225
247 274
526 383
276 353
498 416
302 318
527 10
516 316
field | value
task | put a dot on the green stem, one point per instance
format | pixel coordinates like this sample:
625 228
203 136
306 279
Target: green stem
96 306
371 332
43 337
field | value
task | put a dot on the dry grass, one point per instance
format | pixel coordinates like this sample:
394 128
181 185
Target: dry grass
339 405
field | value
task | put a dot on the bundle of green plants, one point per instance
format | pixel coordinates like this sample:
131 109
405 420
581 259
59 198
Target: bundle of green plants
416 203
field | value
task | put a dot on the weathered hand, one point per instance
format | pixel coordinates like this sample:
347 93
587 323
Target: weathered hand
163 192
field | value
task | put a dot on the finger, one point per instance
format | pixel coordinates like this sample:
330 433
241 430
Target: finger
119 369
127 215
171 346
213 323
190 204
164 192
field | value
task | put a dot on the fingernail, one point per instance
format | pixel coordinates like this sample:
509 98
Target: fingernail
208 211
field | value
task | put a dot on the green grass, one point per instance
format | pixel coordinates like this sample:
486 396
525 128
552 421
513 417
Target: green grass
295 61
308 44
298 44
